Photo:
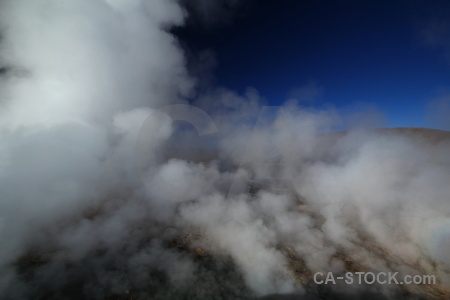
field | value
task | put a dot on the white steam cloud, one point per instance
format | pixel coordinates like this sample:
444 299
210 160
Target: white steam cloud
102 196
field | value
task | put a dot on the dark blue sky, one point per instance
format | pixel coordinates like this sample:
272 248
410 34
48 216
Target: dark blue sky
392 55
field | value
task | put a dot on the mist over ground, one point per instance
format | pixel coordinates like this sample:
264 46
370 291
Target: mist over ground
120 179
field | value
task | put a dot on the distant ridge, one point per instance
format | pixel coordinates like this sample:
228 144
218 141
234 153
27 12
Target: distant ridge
426 134
432 135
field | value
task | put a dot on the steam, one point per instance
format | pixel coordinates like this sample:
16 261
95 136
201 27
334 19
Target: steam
103 192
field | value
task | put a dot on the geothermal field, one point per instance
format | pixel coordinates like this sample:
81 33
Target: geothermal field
120 178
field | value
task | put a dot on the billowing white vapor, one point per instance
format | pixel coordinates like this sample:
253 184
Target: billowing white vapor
103 195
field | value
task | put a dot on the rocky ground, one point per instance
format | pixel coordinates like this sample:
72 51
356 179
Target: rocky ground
216 276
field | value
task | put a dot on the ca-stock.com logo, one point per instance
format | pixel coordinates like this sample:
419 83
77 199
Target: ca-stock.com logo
157 125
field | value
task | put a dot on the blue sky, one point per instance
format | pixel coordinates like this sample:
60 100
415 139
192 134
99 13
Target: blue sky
393 56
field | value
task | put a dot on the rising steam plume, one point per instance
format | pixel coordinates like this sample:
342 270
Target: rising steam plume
104 195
